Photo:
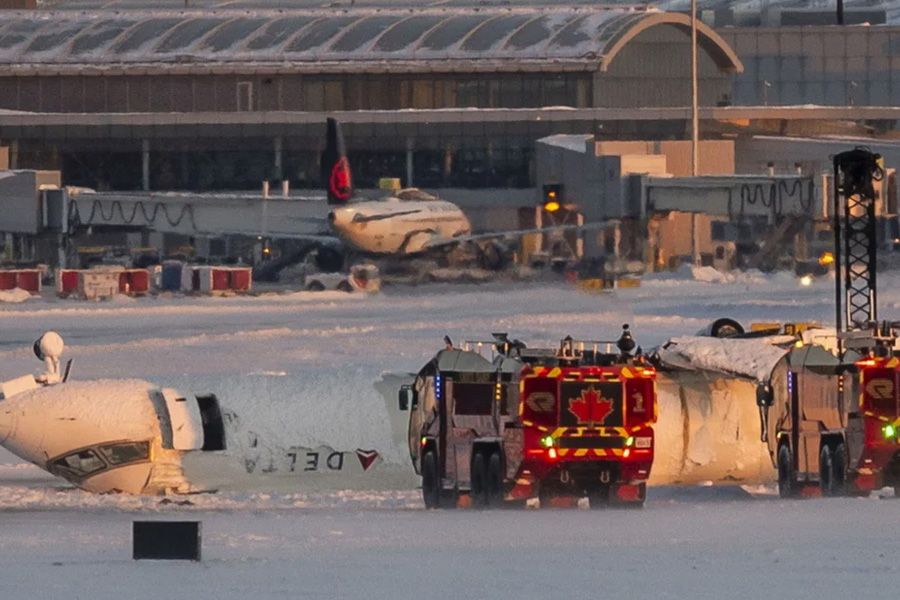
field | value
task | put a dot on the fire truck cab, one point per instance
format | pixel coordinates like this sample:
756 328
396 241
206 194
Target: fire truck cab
571 421
833 423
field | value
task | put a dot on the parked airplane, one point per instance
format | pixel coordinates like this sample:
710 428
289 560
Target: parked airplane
408 223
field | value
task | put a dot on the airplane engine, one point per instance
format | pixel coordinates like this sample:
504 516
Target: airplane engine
492 255
328 260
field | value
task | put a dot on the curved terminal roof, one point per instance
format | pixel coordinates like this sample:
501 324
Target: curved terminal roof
332 40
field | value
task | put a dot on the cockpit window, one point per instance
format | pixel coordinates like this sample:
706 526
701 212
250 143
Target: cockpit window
81 463
119 454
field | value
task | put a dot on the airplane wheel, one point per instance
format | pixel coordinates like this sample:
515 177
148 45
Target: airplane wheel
494 481
839 470
826 471
725 328
431 484
479 476
787 486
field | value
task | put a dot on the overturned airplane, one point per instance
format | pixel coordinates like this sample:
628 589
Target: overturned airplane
136 437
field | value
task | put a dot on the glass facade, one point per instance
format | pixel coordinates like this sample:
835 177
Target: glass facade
172 93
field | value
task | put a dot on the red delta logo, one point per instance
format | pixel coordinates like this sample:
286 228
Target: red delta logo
366 458
339 183
591 407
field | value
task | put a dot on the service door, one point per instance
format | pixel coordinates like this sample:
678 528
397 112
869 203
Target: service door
471 418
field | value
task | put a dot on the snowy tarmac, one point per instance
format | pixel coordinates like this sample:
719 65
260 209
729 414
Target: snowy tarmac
322 352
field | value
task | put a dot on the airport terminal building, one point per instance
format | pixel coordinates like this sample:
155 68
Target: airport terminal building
225 98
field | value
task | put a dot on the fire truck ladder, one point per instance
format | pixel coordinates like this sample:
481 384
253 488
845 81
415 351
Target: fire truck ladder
855 172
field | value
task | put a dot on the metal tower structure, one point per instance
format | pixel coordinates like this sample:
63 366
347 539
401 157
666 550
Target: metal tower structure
855 173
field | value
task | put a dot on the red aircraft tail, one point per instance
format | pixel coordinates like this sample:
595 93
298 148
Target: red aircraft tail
336 176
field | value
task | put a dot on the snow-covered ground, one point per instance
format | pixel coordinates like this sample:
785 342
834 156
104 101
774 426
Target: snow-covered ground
323 352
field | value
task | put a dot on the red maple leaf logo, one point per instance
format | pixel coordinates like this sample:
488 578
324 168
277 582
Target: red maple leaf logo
591 407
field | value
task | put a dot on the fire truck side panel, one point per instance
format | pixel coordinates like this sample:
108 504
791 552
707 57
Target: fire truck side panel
471 407
514 449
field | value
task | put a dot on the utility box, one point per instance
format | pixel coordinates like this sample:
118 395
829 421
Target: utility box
98 284
166 540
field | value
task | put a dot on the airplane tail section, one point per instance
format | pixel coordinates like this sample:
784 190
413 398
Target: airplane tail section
336 174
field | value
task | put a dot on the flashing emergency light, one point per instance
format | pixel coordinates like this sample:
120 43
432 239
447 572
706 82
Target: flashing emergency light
629 442
551 206
552 453
552 197
889 431
826 259
547 441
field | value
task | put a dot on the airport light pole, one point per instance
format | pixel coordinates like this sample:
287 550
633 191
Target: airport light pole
695 132
695 109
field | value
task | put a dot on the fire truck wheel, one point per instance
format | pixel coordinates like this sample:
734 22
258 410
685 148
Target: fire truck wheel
787 485
344 286
494 481
839 470
431 488
315 286
546 496
599 497
826 471
479 483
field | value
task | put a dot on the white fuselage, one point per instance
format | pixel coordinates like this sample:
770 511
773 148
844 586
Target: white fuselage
131 436
396 226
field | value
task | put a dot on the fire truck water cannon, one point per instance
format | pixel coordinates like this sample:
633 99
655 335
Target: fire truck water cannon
565 422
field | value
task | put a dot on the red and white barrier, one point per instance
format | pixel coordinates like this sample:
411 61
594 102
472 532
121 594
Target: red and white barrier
134 282
66 282
93 284
106 282
25 279
216 279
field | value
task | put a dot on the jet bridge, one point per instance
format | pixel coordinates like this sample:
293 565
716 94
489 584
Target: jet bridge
199 214
33 204
735 196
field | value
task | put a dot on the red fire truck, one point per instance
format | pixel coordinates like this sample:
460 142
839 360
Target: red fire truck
835 421
830 415
572 421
